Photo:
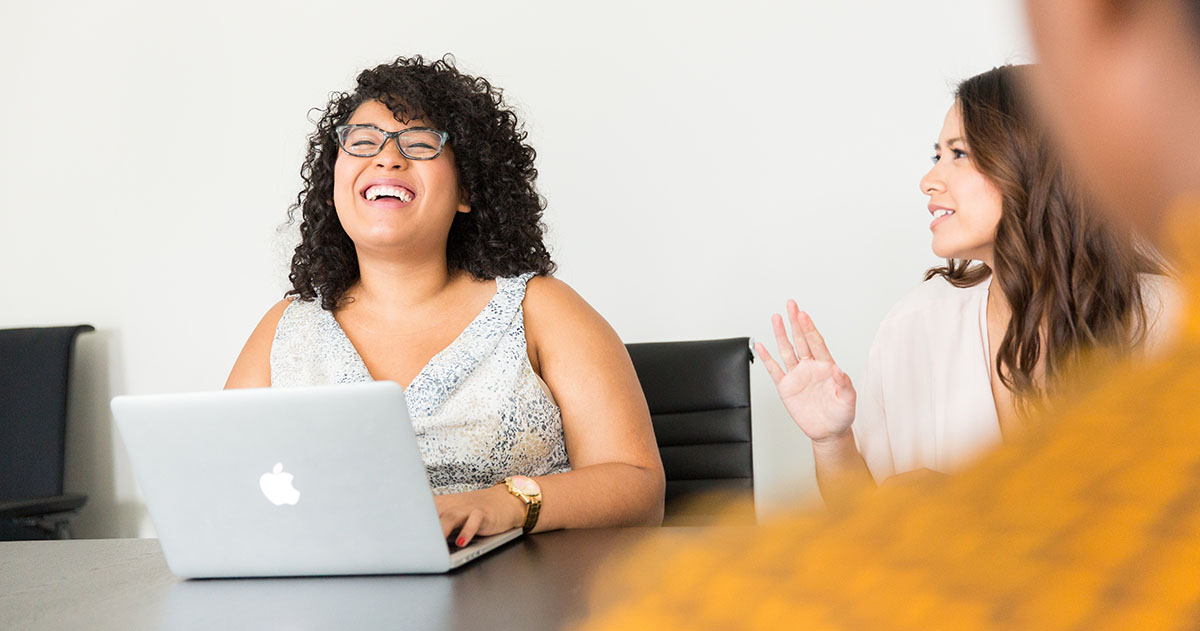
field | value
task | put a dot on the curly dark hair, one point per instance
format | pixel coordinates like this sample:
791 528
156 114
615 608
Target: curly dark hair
503 233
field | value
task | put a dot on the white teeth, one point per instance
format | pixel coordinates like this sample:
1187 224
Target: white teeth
375 192
938 214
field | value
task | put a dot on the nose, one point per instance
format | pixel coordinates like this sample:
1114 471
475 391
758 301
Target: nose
933 183
390 157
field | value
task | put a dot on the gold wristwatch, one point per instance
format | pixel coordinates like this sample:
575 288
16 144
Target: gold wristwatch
529 492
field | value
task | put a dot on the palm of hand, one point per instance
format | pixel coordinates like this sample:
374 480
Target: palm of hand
817 394
820 406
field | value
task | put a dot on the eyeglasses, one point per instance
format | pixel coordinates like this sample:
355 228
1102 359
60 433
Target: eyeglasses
415 143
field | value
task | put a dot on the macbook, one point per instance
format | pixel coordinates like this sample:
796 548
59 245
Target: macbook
313 481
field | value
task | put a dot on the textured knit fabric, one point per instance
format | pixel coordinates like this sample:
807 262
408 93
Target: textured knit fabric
479 411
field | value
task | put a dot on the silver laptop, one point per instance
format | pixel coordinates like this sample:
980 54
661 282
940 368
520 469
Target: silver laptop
288 482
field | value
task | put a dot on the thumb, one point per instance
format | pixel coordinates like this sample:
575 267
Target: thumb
841 379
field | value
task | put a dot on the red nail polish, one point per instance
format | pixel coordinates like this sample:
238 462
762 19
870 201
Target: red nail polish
462 541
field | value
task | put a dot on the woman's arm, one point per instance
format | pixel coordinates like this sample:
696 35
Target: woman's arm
821 399
253 366
842 473
617 475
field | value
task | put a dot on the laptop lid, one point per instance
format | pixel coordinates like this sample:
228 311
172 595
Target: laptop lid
284 481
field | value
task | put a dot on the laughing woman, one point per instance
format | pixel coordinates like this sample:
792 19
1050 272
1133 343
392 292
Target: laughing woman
422 262
1032 283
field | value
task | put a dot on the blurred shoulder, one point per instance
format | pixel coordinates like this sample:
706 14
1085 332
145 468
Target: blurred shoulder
1163 302
1160 290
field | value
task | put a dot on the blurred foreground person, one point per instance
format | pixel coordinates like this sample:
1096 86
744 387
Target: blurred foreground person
1089 521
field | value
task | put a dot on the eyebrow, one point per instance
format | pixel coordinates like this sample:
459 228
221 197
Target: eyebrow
937 146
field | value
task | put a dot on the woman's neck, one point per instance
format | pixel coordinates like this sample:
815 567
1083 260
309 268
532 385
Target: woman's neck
999 313
998 308
396 285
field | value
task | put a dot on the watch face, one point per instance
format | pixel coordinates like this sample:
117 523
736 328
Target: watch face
526 485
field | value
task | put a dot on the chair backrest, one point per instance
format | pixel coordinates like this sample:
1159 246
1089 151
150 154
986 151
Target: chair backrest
699 398
35 367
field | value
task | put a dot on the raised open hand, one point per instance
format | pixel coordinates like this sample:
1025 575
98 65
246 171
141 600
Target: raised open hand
816 393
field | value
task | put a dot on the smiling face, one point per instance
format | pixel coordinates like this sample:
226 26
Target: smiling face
965 205
390 204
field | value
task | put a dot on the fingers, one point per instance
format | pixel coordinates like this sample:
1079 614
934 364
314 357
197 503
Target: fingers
806 342
461 524
842 381
448 524
469 528
816 343
451 520
769 363
802 349
786 354
840 378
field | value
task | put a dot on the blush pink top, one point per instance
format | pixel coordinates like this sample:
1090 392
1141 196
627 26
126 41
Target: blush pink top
926 398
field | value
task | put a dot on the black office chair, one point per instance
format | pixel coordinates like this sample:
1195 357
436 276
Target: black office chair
35 369
699 397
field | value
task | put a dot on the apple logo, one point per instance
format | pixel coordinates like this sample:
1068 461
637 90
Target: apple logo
277 486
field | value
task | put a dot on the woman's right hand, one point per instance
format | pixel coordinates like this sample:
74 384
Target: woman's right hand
816 393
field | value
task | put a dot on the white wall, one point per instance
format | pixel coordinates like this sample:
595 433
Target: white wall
702 161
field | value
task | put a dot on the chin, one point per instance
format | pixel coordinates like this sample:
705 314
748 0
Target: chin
941 251
944 250
385 244
380 238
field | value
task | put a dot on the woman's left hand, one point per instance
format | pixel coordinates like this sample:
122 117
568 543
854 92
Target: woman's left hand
489 511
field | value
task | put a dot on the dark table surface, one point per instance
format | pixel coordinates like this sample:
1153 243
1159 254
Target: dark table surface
537 582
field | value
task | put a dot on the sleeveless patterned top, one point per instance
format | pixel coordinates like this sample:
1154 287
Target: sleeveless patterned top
479 411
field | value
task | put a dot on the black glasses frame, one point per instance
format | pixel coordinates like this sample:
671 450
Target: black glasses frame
341 131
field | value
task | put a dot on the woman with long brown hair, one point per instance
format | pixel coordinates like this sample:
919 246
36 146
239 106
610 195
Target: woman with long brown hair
1032 283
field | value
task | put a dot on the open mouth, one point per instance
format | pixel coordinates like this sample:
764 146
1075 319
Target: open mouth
383 192
939 215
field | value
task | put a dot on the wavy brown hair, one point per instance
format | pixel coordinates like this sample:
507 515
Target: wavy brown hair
1071 280
503 233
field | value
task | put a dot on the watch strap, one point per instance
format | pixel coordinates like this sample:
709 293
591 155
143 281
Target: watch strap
532 510
533 504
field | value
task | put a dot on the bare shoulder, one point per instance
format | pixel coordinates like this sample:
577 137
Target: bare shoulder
270 321
558 318
546 294
253 366
276 310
